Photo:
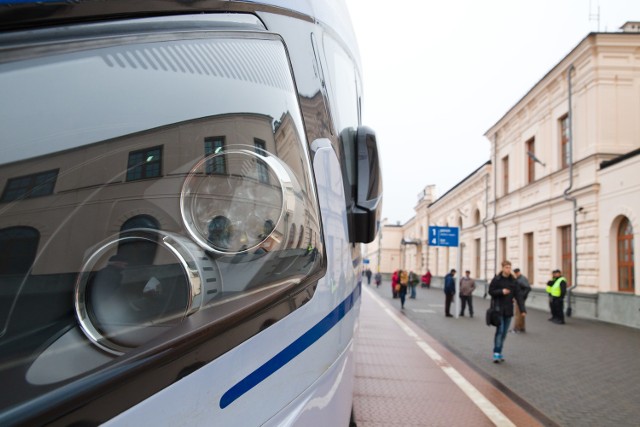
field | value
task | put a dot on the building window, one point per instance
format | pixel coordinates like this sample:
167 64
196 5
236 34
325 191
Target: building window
476 217
505 175
301 237
218 164
530 155
140 221
18 248
139 252
30 186
626 270
292 236
478 255
566 251
263 173
144 164
503 249
529 256
565 152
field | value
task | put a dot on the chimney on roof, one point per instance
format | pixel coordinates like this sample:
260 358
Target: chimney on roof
631 27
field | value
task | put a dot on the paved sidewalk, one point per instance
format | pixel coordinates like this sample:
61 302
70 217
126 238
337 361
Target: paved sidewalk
583 373
405 378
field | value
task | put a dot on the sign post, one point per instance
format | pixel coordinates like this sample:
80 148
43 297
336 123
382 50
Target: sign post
448 237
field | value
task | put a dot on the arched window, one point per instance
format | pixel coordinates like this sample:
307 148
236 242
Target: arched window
301 236
292 236
140 221
476 217
18 248
139 252
626 270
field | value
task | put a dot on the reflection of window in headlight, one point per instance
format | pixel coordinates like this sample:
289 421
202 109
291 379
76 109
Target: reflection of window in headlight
239 211
220 231
123 300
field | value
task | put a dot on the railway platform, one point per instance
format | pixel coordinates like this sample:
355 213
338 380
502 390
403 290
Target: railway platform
416 367
406 378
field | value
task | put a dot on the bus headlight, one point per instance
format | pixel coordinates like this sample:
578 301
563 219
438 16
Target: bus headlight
234 200
137 286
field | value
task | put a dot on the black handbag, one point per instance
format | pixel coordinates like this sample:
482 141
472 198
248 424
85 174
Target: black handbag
494 315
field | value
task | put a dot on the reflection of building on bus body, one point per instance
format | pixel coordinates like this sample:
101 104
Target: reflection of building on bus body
159 213
105 184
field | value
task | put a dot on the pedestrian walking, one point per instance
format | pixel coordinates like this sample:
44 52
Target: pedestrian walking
557 289
426 279
449 292
395 283
467 286
413 283
503 290
525 287
404 284
367 273
377 278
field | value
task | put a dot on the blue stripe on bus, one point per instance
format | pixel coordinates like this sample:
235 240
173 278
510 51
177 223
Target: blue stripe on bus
291 351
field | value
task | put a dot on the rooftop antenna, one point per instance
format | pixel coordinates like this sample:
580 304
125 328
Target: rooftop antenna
595 16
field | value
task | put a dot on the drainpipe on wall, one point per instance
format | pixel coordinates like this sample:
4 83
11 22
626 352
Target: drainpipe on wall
486 232
574 229
495 203
379 248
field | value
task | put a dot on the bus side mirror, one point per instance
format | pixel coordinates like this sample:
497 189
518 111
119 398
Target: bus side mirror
366 211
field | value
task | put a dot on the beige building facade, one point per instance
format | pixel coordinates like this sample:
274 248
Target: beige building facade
561 188
383 254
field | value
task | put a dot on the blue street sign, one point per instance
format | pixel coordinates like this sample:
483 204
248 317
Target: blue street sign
443 236
366 260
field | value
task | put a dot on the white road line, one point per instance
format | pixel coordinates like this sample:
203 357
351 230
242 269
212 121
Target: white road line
489 409
422 310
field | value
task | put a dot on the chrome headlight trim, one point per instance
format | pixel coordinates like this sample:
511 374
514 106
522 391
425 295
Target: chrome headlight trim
188 197
202 275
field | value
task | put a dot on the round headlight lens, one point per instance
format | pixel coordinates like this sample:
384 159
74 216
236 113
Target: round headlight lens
237 210
139 285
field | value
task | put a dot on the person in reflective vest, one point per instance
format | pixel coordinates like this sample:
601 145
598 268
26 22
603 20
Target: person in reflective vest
557 289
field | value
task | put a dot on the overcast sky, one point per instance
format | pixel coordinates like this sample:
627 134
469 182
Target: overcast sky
438 74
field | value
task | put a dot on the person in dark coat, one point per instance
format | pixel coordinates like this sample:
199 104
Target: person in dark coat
503 290
368 273
449 292
525 287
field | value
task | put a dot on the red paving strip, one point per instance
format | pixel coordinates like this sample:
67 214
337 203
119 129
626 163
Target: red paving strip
398 383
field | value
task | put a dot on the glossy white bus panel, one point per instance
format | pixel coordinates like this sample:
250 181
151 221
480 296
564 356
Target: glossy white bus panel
318 378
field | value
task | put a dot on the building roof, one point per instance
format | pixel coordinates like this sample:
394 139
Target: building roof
559 65
488 162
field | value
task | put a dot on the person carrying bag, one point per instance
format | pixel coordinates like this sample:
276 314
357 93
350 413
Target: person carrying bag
503 290
493 314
